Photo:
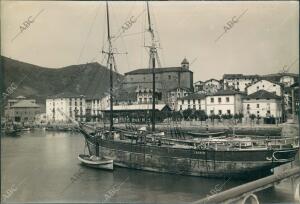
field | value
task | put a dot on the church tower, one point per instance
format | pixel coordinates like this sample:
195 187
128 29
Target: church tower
185 63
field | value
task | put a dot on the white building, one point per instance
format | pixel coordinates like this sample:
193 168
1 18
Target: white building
194 101
287 80
238 82
211 86
62 108
224 102
175 94
198 86
263 104
266 85
144 95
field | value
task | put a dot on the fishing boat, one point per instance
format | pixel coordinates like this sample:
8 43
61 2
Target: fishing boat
157 151
96 162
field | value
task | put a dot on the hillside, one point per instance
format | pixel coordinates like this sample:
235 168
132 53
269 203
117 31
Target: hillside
37 82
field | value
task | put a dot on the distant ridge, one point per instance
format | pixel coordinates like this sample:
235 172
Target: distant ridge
91 79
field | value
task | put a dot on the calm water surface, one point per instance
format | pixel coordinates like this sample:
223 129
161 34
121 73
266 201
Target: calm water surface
41 166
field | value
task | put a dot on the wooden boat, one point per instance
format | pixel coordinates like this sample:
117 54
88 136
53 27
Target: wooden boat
206 134
96 162
209 157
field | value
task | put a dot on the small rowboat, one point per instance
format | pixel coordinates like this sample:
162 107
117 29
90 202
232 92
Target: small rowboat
206 134
96 162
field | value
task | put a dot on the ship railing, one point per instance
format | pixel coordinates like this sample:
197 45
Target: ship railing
281 143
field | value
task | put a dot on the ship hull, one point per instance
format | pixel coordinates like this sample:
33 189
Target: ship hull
206 163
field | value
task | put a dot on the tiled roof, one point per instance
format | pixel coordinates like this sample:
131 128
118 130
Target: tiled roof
262 94
193 96
225 92
25 104
138 107
211 80
158 70
66 95
239 76
274 82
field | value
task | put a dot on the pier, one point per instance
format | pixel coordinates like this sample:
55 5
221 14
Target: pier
246 193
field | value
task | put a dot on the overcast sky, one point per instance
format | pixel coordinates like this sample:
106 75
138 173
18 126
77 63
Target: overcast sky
264 40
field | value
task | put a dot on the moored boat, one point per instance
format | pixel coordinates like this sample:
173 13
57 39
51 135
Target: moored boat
96 162
160 152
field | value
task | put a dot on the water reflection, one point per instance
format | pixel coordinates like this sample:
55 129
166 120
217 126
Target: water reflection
48 163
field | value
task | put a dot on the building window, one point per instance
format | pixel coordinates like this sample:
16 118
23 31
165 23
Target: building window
257 87
219 100
211 112
257 105
180 107
211 100
194 101
194 107
182 101
75 103
228 111
199 101
189 106
227 99
220 112
169 76
189 101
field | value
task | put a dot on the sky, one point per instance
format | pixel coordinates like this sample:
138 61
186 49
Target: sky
263 40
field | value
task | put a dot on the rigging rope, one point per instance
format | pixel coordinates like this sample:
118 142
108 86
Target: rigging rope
89 32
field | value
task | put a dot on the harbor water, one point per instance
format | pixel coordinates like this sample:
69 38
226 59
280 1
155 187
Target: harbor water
42 166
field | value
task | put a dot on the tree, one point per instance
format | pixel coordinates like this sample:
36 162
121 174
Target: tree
252 117
187 113
201 115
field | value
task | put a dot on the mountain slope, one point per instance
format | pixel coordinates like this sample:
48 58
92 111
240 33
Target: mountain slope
37 82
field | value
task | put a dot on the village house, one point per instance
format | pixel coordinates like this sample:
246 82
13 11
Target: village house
272 87
238 82
22 110
175 94
262 104
224 102
193 101
198 86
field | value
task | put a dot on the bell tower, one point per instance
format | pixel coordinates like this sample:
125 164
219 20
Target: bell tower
185 64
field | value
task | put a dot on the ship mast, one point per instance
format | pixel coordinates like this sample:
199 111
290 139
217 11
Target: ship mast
110 60
153 54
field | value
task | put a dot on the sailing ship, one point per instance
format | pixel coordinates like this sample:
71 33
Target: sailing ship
157 151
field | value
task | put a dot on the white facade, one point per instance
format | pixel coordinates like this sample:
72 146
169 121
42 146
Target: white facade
239 82
287 80
264 85
193 101
62 109
223 104
262 107
174 95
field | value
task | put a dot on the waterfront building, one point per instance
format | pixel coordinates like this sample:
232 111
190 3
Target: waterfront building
22 110
175 94
295 99
272 87
224 102
144 95
238 82
62 107
195 101
125 96
136 112
166 78
262 104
